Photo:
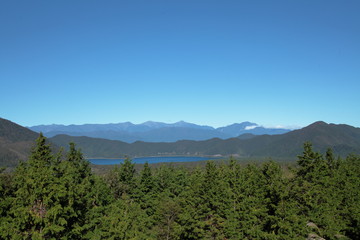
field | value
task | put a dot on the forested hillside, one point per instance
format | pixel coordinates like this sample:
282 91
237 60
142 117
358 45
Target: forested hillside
15 142
54 197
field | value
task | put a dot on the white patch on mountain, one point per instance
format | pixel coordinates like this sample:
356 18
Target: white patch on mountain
251 127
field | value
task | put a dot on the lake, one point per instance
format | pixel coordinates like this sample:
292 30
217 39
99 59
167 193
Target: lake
142 160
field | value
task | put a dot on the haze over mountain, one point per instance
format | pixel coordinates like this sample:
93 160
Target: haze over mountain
156 131
344 139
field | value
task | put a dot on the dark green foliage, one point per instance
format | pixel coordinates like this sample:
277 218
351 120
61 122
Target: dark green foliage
121 179
6 193
122 219
146 185
349 185
322 190
37 194
166 217
146 191
52 196
55 197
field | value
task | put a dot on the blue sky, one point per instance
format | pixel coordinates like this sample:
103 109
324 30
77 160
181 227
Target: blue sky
287 63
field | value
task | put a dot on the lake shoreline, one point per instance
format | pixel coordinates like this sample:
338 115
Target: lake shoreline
150 160
159 156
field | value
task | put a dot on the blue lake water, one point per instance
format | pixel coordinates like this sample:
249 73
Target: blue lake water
142 160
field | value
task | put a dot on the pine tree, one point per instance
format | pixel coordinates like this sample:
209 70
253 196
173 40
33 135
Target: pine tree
53 196
349 186
191 218
35 211
166 218
6 195
308 162
146 193
123 219
318 191
79 191
146 180
121 179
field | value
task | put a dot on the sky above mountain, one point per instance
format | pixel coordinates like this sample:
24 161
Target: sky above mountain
206 62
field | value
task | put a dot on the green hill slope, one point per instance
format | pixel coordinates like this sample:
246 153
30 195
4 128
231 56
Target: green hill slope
15 142
344 139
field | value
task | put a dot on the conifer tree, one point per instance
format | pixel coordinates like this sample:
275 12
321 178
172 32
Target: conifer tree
78 184
6 194
166 218
191 220
122 219
52 195
318 192
146 179
146 193
349 185
36 211
121 179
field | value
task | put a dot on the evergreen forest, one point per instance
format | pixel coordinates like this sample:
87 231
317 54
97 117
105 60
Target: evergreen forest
57 196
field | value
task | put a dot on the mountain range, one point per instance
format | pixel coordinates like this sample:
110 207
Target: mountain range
156 131
344 139
16 142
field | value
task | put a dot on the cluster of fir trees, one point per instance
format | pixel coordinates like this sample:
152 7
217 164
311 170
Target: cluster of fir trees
57 197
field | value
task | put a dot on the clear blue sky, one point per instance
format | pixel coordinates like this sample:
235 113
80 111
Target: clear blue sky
208 62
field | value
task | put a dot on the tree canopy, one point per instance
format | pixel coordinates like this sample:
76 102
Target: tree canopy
56 196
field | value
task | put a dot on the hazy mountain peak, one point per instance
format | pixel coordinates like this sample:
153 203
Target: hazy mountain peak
153 124
123 123
190 125
241 125
318 123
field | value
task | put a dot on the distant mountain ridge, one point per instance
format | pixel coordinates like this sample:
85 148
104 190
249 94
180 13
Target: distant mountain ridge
343 139
16 142
125 126
156 131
